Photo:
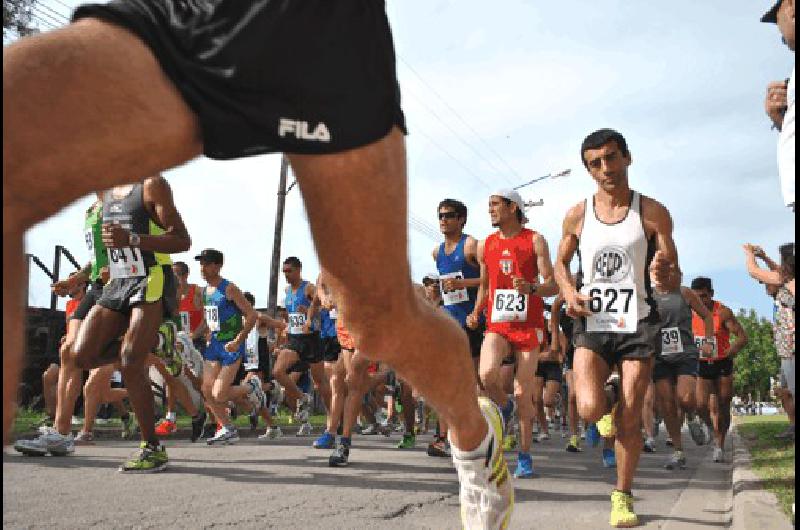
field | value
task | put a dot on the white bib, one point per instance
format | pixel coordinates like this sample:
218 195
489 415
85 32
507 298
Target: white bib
212 317
89 236
453 297
296 323
614 307
185 321
116 377
671 341
509 306
126 262
332 314
250 360
699 341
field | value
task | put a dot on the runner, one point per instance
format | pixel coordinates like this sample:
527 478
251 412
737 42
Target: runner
622 239
174 96
512 260
547 380
229 317
675 369
563 322
715 384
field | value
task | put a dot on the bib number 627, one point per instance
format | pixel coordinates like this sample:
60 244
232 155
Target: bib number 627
609 299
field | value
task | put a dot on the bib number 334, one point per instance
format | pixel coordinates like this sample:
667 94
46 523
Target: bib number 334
614 308
509 306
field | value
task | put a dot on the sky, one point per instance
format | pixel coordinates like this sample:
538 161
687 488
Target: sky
496 96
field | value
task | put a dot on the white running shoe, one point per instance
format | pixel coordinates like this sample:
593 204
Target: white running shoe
256 395
276 394
224 436
273 433
543 437
304 430
718 456
486 493
49 441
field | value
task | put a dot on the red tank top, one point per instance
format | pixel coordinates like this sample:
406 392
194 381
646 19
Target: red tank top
72 306
509 258
186 305
721 333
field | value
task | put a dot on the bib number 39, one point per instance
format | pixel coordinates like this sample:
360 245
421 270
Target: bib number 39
509 306
671 342
614 308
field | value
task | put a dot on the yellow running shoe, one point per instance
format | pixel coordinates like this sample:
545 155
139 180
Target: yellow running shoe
622 515
606 425
509 442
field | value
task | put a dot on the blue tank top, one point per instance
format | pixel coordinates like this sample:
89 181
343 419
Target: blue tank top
222 316
295 299
456 265
327 326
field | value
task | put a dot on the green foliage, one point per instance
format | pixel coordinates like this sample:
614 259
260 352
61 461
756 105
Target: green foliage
758 360
18 17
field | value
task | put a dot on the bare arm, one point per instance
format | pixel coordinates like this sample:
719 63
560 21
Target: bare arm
576 302
548 287
703 312
735 328
158 201
770 277
471 256
555 314
664 268
483 287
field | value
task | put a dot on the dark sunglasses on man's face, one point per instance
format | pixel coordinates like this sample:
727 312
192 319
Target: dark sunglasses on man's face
448 215
287 271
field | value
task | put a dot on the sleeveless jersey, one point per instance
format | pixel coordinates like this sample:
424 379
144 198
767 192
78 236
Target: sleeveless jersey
721 333
461 302
677 338
222 316
93 234
327 326
190 317
613 269
506 259
130 212
295 299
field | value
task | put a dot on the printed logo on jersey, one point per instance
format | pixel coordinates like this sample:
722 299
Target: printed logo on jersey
507 266
302 131
611 265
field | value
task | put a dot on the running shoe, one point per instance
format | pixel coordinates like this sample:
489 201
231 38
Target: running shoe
656 426
718 456
197 425
676 461
224 436
439 448
127 426
273 433
304 430
609 458
524 466
370 430
340 456
166 428
84 438
510 442
622 514
543 437
592 435
48 441
574 445
256 394
276 393
606 426
209 429
697 432
150 459
508 413
303 409
326 441
253 420
407 442
649 446
486 491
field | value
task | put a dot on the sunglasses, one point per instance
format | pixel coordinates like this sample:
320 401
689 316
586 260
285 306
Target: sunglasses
448 215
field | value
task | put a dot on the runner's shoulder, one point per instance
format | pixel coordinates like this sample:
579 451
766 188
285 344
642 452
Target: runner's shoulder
574 217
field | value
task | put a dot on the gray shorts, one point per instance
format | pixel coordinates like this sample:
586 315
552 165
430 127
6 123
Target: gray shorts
787 374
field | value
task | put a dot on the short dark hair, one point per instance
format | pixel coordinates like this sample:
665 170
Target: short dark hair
701 282
601 137
458 206
787 261
182 266
294 262
250 298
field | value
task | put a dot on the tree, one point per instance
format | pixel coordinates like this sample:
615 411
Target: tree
18 17
758 360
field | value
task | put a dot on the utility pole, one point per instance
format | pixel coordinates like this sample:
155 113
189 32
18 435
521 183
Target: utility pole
272 301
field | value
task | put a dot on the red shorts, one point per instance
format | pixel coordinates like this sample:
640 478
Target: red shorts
345 340
521 338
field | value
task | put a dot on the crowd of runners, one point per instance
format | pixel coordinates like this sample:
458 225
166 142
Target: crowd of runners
621 341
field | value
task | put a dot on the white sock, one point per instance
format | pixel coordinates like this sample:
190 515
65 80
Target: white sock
161 341
172 416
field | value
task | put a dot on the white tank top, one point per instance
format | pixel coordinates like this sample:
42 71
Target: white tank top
617 253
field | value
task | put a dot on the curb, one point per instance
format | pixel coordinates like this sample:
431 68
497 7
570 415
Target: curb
754 508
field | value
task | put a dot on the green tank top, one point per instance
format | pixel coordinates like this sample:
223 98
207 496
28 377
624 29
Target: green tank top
94 239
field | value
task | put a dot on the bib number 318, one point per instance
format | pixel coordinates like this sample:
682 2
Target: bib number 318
614 308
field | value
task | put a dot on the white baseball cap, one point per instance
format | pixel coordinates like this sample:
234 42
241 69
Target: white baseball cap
430 276
515 197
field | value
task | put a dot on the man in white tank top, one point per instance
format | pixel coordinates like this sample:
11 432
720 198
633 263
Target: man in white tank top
622 240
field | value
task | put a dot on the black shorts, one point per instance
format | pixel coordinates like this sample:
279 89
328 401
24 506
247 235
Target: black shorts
715 369
123 294
475 337
613 347
569 356
88 301
330 349
549 371
307 348
309 77
672 369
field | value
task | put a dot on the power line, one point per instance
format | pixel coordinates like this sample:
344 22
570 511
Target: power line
459 162
54 23
54 12
63 4
41 22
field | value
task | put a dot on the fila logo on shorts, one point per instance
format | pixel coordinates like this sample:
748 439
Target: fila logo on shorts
301 131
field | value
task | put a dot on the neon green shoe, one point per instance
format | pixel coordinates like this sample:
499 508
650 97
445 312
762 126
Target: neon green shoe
148 460
408 441
509 442
622 515
606 425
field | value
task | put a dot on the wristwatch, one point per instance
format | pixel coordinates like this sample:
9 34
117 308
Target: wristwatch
134 240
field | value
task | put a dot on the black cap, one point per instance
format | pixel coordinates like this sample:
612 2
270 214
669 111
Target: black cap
210 255
771 16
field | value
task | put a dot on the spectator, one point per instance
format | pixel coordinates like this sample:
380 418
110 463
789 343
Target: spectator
780 100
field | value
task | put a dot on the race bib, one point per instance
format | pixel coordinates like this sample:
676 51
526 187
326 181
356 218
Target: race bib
185 321
116 377
296 323
212 317
671 342
332 314
456 296
126 262
699 341
509 306
89 236
250 360
614 307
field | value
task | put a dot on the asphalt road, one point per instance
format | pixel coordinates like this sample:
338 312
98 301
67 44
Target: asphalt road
287 484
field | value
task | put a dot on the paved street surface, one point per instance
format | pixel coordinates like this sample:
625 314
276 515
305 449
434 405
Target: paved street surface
287 484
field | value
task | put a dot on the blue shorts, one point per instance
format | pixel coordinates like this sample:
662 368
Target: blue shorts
215 352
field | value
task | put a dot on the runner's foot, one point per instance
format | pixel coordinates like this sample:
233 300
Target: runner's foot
574 445
49 441
676 461
622 514
408 441
149 459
